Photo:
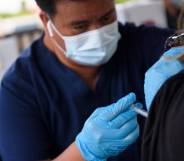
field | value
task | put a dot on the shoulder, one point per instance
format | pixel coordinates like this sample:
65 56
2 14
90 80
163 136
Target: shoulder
145 42
174 87
23 64
144 31
18 78
170 97
145 37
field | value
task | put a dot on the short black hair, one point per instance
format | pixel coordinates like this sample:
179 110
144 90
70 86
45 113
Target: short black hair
49 6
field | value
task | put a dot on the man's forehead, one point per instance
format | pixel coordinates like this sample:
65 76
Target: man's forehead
82 9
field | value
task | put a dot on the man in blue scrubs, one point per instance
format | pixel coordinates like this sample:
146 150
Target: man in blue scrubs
84 61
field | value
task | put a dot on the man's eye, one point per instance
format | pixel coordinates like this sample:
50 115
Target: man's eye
107 19
80 27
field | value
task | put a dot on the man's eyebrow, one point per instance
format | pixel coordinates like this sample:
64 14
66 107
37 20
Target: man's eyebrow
108 13
79 22
83 22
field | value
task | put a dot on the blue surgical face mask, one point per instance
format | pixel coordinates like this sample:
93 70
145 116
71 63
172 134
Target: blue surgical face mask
92 48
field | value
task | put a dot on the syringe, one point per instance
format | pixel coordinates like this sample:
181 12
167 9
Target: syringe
139 111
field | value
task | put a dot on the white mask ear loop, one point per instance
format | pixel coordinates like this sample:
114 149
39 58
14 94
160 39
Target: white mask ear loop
50 26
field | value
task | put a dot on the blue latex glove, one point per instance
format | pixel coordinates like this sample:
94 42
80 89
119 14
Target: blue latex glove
159 73
109 130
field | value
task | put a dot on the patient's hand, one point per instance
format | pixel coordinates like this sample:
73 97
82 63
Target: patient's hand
160 72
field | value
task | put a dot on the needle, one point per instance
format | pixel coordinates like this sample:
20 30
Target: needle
139 111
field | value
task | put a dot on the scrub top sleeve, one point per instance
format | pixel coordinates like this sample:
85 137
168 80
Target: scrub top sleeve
23 136
153 43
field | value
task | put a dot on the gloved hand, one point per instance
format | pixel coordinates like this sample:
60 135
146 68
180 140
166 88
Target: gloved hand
109 130
160 72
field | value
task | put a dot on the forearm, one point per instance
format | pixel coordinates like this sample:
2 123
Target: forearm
72 153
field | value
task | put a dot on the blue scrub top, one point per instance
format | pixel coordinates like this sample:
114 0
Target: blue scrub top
44 104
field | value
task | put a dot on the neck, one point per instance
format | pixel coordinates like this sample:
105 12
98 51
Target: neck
89 74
